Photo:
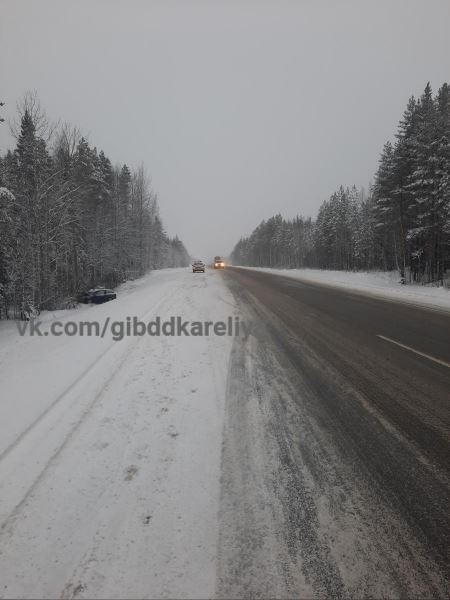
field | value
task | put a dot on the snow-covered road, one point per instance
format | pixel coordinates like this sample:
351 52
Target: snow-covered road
110 450
307 459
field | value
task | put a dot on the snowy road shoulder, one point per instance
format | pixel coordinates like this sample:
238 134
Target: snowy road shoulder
383 285
120 497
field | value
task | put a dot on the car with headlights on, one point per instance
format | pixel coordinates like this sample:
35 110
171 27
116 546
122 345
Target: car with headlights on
219 262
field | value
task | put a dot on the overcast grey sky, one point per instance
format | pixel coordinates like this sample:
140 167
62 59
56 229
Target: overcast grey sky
238 110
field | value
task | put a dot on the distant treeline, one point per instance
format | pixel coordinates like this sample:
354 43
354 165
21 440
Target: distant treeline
70 220
403 223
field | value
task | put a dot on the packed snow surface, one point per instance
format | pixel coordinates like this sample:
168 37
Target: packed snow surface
110 450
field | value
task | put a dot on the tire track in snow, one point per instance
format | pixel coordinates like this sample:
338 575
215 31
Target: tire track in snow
306 507
94 526
73 385
7 454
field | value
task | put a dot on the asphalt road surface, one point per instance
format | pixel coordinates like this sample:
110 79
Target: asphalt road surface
335 475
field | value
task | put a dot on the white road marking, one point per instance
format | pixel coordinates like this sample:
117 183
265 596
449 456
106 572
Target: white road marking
436 360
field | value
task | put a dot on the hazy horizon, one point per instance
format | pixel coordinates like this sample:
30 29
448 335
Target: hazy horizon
237 110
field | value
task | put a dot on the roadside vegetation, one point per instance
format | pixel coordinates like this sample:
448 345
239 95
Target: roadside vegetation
70 220
402 223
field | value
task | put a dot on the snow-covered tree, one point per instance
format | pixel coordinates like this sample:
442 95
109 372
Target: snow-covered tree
69 220
404 222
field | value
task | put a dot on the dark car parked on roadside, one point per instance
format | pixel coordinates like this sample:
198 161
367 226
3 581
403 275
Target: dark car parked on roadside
97 296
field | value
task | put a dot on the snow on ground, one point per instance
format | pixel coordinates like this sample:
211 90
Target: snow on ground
377 283
110 450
